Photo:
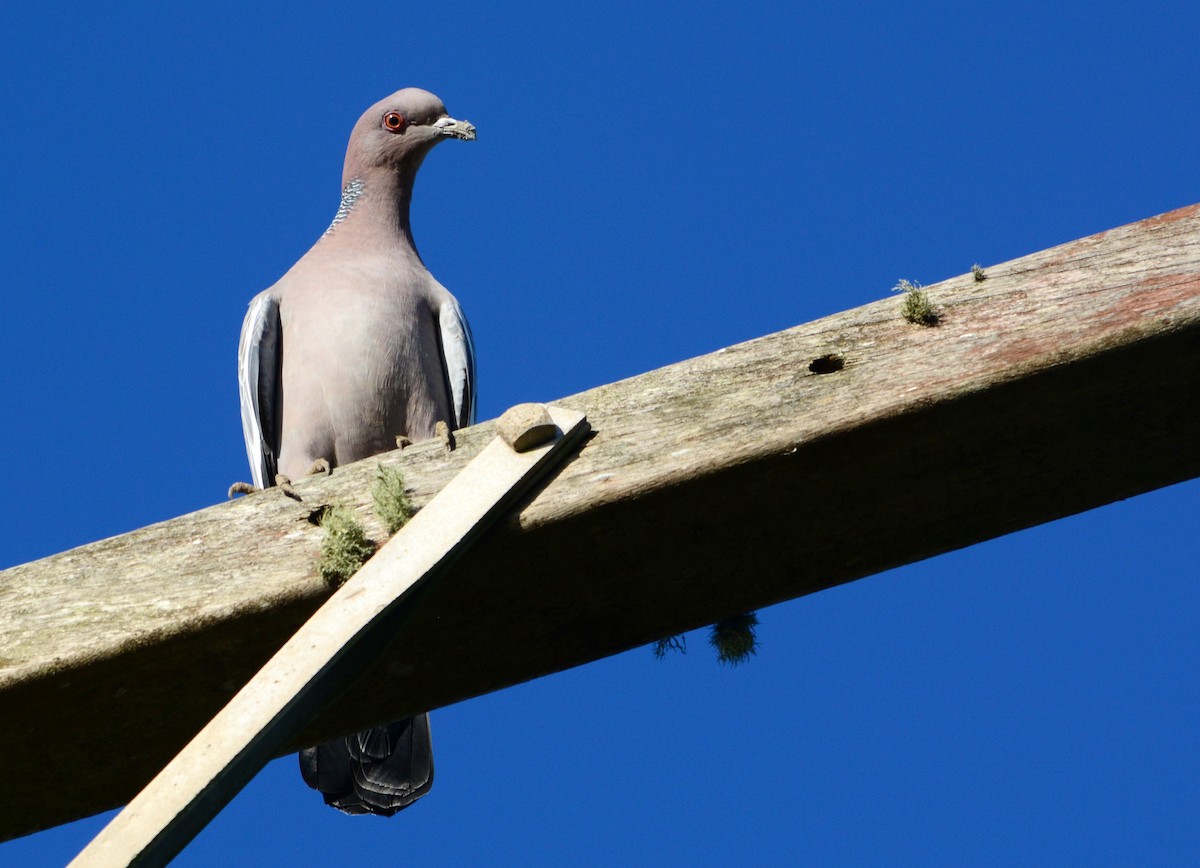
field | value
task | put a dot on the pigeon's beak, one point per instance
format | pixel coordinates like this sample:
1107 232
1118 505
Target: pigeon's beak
448 126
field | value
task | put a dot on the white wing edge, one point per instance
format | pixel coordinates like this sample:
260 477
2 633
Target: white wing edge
258 376
458 355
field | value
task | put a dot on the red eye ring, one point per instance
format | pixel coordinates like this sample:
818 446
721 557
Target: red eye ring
393 122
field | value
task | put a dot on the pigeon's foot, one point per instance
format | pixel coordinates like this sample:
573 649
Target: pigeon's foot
320 467
242 488
285 485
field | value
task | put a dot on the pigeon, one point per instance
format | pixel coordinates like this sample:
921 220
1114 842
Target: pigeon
358 345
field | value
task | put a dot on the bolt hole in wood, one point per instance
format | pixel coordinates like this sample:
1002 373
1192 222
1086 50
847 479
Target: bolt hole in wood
317 514
829 364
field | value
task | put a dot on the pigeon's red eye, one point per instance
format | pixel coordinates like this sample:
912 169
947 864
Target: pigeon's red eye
394 121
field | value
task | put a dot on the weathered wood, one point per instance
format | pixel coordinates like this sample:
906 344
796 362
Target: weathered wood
334 645
1065 380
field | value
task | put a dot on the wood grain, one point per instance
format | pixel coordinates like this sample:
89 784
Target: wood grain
336 643
818 455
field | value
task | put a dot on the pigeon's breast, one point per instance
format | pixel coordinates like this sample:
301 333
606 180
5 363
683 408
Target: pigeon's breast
366 368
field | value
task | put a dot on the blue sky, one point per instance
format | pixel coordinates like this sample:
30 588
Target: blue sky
650 183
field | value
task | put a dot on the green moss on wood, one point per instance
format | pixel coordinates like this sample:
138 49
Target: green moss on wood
916 307
662 647
391 498
735 639
345 547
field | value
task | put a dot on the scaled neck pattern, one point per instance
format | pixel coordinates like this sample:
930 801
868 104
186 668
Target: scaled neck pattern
354 194
350 194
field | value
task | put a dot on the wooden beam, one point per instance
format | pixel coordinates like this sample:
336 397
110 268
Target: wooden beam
1065 380
344 636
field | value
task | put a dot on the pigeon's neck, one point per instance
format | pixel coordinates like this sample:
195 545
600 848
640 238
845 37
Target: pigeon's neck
351 193
374 206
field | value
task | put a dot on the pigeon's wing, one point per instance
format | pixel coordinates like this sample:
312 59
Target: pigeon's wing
259 362
458 360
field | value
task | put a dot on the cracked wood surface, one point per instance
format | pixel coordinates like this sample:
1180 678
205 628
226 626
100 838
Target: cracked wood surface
1067 379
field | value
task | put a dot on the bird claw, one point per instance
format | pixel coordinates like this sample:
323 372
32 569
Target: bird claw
242 488
285 485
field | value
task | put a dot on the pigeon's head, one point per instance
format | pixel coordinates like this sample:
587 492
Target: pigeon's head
397 132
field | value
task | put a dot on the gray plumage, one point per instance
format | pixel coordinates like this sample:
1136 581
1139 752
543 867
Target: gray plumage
354 346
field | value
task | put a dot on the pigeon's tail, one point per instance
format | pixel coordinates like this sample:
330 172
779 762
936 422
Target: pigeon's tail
376 771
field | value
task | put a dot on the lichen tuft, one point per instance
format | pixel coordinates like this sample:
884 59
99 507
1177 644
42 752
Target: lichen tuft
662 647
391 498
735 639
916 307
345 547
